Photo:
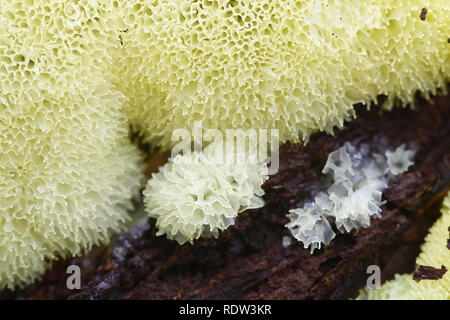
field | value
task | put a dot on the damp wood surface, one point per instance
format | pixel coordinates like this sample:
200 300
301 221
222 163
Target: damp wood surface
248 261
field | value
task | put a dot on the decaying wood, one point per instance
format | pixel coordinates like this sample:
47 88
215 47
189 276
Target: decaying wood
248 261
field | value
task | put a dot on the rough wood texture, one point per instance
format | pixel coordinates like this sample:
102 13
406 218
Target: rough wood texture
248 260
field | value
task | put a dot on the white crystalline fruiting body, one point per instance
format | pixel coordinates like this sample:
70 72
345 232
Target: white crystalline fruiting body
194 195
310 226
355 210
399 160
353 198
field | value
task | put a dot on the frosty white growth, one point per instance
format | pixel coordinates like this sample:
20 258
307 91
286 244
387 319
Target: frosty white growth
353 198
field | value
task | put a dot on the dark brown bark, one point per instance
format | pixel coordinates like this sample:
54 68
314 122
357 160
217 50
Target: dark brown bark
248 261
429 273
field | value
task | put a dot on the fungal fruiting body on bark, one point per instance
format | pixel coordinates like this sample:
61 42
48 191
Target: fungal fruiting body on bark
435 254
75 75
